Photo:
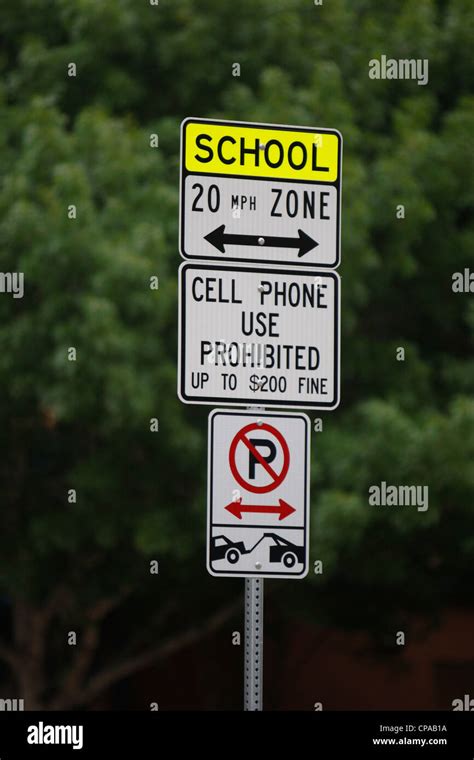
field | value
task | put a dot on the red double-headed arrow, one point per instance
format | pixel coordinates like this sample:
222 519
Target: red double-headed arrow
283 509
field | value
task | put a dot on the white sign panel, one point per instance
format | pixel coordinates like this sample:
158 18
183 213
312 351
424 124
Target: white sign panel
265 337
260 193
258 494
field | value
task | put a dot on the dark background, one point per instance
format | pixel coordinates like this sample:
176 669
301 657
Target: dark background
83 567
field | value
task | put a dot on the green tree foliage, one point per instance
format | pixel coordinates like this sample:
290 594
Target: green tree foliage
85 424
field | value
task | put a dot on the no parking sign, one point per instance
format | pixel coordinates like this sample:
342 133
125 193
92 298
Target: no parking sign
258 494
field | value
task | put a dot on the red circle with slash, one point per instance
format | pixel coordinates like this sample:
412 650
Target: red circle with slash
277 478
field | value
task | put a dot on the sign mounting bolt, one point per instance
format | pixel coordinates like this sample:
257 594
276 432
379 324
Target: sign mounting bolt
258 565
261 241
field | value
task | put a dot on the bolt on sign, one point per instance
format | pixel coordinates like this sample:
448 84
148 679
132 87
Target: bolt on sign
258 494
258 336
260 193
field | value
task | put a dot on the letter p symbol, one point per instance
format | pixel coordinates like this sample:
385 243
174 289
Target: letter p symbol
253 461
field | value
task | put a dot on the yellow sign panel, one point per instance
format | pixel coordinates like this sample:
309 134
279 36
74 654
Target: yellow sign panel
248 150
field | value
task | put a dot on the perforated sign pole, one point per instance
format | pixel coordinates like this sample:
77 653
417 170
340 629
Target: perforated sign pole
253 658
253 665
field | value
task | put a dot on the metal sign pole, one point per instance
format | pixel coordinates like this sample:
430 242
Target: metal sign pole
253 674
253 665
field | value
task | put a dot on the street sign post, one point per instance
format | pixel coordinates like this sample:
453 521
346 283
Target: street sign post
258 336
259 325
260 193
253 664
258 494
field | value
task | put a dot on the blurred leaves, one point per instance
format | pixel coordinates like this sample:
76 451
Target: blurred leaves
86 424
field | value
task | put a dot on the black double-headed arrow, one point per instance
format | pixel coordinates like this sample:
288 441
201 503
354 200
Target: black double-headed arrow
219 239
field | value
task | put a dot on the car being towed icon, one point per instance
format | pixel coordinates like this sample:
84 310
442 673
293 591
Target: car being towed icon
283 551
